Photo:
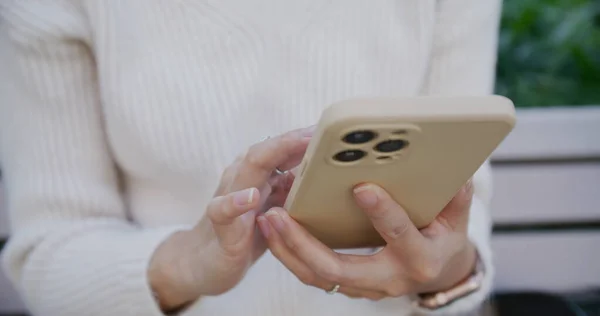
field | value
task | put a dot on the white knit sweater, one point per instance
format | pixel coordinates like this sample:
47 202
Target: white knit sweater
117 118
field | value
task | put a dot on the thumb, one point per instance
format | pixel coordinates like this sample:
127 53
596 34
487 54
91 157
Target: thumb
232 214
456 213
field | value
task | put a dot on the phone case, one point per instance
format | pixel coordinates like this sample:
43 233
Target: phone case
423 149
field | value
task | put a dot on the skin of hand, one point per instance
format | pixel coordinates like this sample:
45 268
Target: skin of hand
414 261
214 256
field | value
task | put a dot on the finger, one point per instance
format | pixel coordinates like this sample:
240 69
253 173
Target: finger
287 257
297 151
388 217
281 185
229 215
308 131
366 272
359 293
283 152
304 273
455 215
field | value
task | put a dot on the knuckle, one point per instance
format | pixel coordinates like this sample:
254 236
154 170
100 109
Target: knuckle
286 141
276 248
427 273
292 244
332 272
213 210
236 252
254 158
307 278
377 214
398 230
233 255
217 210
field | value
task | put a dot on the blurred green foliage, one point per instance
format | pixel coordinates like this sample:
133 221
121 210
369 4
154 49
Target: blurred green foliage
549 52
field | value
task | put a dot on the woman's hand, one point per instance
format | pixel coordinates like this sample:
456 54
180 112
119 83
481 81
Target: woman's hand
214 256
413 261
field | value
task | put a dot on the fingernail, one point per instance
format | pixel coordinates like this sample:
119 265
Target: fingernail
263 225
366 195
245 197
275 219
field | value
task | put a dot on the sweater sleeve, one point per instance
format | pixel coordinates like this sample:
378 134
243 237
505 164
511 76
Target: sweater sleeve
72 249
463 62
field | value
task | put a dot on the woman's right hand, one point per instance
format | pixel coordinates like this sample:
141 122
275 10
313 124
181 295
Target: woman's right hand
214 256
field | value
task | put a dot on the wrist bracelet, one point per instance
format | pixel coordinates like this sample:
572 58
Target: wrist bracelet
440 299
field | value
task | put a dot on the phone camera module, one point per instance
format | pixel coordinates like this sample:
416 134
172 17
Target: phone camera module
349 155
391 145
359 137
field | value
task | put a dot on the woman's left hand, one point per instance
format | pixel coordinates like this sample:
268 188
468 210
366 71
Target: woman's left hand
414 261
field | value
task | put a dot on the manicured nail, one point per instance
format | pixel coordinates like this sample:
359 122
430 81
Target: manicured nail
275 219
366 195
245 197
263 224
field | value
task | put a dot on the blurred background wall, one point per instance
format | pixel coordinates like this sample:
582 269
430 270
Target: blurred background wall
547 173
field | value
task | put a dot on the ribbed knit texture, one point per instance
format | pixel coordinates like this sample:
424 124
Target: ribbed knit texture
117 118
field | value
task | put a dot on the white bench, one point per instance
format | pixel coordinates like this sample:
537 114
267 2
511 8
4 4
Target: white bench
547 171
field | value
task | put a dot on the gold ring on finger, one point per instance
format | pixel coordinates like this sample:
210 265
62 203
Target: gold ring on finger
334 290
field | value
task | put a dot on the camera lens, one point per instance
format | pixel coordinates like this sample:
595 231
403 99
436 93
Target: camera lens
349 155
359 137
391 145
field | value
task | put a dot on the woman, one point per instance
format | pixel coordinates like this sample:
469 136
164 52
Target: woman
119 117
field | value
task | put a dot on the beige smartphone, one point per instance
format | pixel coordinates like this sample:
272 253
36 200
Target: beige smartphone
420 149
